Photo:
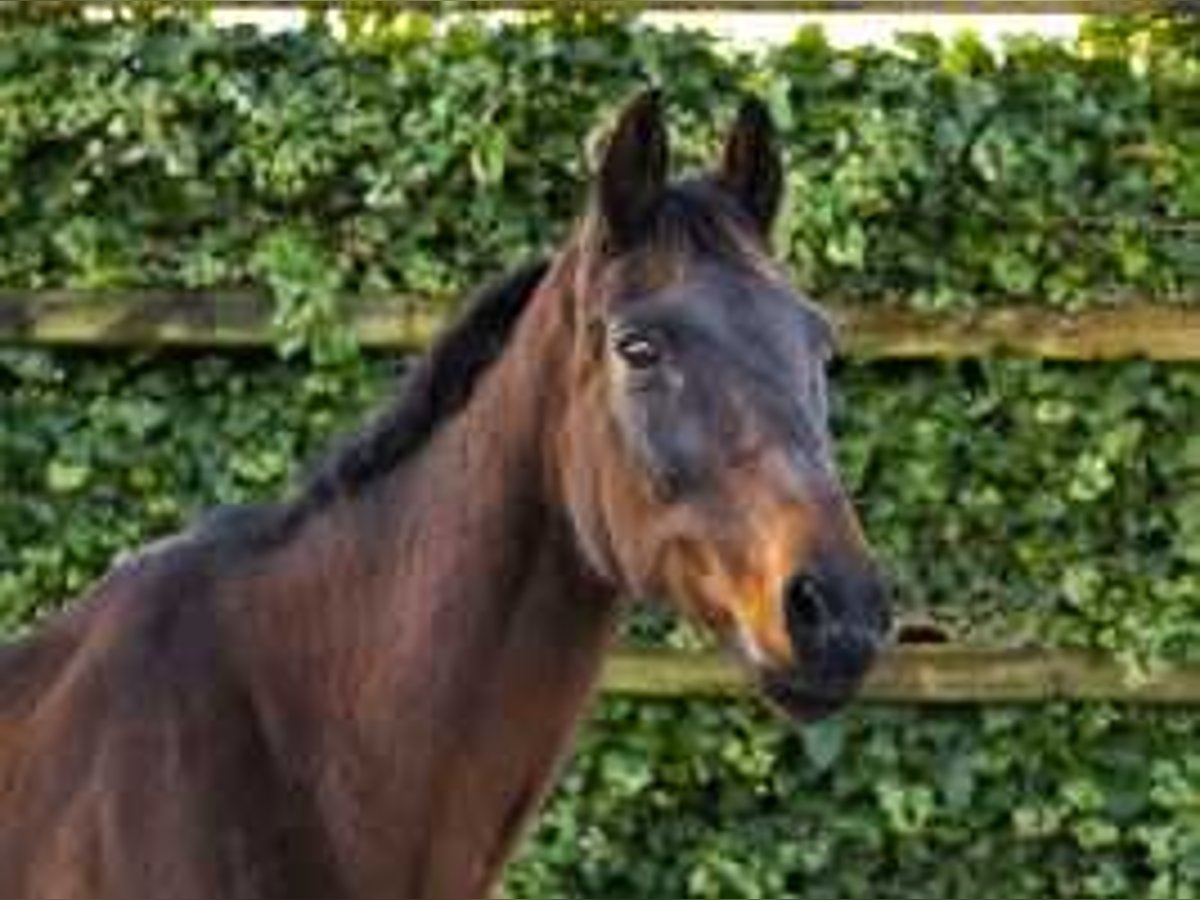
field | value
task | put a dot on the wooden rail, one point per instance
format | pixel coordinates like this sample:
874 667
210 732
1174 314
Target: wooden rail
223 320
1168 333
854 7
932 675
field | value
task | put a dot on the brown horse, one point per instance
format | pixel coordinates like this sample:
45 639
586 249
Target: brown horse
365 691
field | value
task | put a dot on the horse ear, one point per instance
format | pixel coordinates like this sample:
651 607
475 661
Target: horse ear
751 165
632 173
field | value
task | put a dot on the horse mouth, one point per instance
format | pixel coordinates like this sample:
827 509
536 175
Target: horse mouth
805 704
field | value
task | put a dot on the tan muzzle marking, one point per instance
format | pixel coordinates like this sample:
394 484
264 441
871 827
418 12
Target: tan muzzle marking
742 595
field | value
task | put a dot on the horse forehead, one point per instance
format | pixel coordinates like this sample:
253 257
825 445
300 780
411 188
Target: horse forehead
740 312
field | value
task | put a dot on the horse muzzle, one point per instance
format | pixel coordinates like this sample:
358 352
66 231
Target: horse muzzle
837 626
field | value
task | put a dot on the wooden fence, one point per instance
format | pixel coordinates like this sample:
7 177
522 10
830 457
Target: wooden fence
938 675
182 319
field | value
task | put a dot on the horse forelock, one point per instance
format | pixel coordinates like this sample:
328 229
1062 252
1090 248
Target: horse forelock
695 220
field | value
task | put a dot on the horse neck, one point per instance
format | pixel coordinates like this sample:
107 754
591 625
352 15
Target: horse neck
487 576
441 627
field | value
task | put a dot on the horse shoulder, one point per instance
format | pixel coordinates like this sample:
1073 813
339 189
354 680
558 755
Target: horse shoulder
107 717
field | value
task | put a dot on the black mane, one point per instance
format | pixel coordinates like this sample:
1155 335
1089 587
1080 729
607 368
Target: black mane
439 385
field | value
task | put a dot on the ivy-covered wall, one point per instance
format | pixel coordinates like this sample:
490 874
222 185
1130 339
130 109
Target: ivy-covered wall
722 801
939 175
1017 500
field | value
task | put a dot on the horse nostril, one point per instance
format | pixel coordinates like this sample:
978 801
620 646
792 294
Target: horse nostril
805 605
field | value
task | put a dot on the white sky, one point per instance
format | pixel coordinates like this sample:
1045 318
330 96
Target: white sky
843 30
848 30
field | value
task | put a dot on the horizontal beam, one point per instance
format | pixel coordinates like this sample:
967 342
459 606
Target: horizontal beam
198 319
859 7
1145 330
946 674
230 320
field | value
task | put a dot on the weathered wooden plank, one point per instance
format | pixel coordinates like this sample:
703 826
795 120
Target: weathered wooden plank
1164 332
854 7
945 674
206 319
192 319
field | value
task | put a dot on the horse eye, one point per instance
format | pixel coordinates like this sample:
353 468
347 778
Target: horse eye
639 351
